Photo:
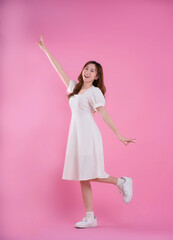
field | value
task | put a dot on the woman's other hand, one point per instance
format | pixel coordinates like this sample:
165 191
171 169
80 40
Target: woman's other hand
126 141
41 43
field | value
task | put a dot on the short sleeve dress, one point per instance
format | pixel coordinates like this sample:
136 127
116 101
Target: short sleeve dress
84 158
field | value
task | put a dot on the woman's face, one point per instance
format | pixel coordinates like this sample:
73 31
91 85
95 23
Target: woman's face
89 73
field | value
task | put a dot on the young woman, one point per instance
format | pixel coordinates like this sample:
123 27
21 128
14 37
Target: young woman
84 160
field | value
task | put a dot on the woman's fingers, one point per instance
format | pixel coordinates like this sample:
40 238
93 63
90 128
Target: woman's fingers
127 141
131 140
41 37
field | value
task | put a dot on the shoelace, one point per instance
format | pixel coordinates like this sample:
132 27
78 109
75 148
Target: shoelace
84 219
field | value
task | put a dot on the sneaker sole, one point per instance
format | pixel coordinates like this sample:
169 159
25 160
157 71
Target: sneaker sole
94 225
86 227
131 190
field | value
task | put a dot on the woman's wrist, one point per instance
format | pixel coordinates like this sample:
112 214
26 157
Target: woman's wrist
118 135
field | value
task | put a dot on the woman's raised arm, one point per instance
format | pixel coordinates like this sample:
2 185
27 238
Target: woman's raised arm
54 62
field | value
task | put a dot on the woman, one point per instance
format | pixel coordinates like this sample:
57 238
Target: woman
84 160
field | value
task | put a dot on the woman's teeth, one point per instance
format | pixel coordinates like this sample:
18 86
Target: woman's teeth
86 76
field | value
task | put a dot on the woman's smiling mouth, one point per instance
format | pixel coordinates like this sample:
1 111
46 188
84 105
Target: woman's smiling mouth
86 76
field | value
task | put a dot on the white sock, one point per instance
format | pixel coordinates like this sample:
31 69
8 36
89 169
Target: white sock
120 181
90 214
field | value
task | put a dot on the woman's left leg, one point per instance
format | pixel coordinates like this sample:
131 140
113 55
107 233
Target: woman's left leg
110 179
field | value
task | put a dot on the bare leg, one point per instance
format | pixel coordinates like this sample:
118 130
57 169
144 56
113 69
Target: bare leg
87 195
109 179
87 190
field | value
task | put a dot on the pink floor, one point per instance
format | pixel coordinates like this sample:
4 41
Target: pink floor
103 231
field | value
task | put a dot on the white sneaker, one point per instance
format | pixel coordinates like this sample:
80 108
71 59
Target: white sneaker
87 222
126 189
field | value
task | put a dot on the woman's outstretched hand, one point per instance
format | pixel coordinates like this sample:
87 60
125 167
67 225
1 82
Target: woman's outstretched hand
126 141
41 43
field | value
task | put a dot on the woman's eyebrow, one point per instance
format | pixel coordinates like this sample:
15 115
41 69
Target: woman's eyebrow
93 68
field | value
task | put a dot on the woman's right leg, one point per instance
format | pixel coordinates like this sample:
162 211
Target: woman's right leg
90 219
87 195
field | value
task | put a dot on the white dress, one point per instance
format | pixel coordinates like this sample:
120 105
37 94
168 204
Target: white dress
84 157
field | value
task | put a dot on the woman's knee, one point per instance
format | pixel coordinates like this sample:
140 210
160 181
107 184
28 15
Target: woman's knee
84 181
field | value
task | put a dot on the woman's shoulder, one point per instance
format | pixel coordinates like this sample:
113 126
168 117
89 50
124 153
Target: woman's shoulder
96 90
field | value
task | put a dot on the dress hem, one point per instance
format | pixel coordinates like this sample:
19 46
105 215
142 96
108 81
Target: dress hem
83 179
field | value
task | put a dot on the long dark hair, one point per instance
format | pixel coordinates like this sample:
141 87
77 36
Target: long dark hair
97 83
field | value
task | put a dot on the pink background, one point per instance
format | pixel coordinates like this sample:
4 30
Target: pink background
133 42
